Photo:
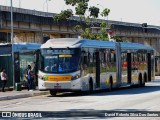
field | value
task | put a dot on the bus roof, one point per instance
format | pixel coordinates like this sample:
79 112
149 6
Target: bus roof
129 45
77 43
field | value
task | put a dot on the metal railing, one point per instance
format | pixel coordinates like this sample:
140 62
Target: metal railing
27 11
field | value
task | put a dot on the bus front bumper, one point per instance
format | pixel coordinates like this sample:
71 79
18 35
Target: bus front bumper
60 86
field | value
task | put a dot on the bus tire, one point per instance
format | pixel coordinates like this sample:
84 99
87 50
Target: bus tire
110 83
144 79
90 86
140 81
52 92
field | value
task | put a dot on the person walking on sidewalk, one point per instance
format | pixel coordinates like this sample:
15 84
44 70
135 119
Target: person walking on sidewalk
30 78
3 78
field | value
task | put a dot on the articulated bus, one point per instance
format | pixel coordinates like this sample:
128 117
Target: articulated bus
72 64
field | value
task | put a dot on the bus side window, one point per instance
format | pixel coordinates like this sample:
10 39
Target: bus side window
144 57
132 57
84 58
104 56
41 65
109 57
89 60
138 57
85 61
114 57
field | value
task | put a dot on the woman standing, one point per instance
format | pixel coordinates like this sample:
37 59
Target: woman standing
3 79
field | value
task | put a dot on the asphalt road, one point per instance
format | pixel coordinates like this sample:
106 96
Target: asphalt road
96 105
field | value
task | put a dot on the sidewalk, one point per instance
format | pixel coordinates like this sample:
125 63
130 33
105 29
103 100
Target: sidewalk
8 95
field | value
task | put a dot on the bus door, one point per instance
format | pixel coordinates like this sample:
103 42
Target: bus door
97 70
129 68
149 66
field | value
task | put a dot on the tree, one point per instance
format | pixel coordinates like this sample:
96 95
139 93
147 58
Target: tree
87 22
64 15
116 38
105 12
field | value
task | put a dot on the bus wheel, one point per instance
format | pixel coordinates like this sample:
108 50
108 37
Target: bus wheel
140 81
52 92
90 86
110 84
144 79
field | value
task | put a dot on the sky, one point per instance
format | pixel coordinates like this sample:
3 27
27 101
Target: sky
134 11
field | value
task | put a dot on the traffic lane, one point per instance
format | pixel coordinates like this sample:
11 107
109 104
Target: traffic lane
149 87
129 98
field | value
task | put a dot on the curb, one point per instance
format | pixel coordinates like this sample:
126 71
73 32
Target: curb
26 95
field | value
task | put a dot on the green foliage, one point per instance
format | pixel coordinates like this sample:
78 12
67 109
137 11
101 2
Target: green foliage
104 34
63 15
105 12
81 8
87 34
118 39
78 27
71 2
74 2
94 11
85 31
87 20
103 25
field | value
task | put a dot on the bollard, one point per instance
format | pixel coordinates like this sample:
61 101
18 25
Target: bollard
18 86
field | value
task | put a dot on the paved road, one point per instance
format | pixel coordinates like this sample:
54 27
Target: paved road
126 99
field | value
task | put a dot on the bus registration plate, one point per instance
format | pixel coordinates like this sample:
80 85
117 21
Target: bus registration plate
57 87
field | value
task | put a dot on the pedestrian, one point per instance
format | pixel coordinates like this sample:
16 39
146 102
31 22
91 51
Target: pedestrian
30 78
4 78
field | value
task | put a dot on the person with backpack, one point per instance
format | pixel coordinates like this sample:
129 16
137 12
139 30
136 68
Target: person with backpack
30 78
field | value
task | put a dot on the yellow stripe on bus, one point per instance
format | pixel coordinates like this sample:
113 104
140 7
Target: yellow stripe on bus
65 55
59 78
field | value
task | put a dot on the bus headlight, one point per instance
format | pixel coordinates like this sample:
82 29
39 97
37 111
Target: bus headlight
76 77
45 77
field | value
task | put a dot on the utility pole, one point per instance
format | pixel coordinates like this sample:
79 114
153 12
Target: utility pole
12 42
19 3
46 1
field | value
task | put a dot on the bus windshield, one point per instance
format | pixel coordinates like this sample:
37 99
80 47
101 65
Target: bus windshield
59 60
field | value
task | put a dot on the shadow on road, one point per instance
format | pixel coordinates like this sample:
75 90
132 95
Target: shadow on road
118 91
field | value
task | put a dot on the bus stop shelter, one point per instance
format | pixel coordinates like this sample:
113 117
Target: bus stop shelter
24 55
